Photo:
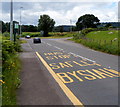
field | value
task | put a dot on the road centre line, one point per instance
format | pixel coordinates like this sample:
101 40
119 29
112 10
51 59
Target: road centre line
49 44
81 57
66 90
58 48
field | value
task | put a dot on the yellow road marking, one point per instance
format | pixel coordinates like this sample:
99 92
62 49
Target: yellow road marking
66 90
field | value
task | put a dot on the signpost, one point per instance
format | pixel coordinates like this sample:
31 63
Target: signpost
16 29
11 21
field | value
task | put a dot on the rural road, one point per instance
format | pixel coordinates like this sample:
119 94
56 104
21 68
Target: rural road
84 76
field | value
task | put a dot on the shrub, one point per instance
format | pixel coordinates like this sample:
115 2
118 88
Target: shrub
10 71
102 28
31 34
6 34
82 33
87 30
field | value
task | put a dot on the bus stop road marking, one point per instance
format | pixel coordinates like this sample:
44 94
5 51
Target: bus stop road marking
66 90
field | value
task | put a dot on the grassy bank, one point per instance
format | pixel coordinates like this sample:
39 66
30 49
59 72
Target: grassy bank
31 34
1 82
105 41
10 71
51 34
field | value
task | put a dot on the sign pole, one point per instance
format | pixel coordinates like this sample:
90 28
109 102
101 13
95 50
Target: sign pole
11 21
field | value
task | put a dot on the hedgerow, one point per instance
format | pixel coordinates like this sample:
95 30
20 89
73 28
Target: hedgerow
10 71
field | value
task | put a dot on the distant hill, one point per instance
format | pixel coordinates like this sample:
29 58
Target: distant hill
114 24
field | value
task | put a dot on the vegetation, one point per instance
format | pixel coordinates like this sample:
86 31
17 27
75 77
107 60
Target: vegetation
106 41
29 28
63 34
87 21
51 34
10 71
31 34
46 24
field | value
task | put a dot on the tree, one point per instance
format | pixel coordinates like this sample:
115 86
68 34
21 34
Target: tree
87 21
108 25
61 29
7 26
46 24
2 27
29 28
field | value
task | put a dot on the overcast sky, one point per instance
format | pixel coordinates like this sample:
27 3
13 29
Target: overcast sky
61 12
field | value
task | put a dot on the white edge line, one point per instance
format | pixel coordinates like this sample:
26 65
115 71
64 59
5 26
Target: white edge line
81 57
49 44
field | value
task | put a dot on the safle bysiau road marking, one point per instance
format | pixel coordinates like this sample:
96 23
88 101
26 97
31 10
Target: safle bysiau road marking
66 90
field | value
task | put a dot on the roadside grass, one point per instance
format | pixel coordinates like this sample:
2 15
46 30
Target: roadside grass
0 38
10 71
104 36
0 69
22 41
31 34
63 34
51 37
51 34
105 41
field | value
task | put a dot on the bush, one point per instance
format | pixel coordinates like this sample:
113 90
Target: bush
102 28
6 34
9 47
82 33
31 34
87 30
10 71
17 46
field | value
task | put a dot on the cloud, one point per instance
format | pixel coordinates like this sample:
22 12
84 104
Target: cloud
61 12
61 0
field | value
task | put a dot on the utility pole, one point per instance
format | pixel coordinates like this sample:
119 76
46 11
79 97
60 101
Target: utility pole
11 21
71 25
20 22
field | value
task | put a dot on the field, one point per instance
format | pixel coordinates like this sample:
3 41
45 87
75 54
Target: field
105 41
104 36
51 34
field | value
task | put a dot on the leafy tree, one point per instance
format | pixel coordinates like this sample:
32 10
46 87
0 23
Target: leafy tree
46 24
29 28
2 27
108 25
7 24
61 29
87 21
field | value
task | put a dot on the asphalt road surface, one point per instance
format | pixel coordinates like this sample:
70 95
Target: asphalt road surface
87 77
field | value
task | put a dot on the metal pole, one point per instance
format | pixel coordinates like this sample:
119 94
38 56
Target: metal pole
11 21
71 25
20 21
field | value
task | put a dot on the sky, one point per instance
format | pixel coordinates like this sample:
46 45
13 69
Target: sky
61 11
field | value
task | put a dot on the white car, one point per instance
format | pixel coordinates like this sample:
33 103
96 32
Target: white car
27 36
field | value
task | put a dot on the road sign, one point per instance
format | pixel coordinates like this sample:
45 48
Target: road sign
16 26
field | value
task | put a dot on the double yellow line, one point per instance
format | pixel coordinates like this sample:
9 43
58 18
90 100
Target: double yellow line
66 90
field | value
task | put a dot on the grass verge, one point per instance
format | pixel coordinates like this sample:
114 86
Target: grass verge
10 71
105 41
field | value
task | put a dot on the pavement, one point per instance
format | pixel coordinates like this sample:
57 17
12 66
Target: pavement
74 74
37 85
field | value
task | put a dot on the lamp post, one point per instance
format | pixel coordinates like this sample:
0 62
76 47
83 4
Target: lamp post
20 22
11 21
71 25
